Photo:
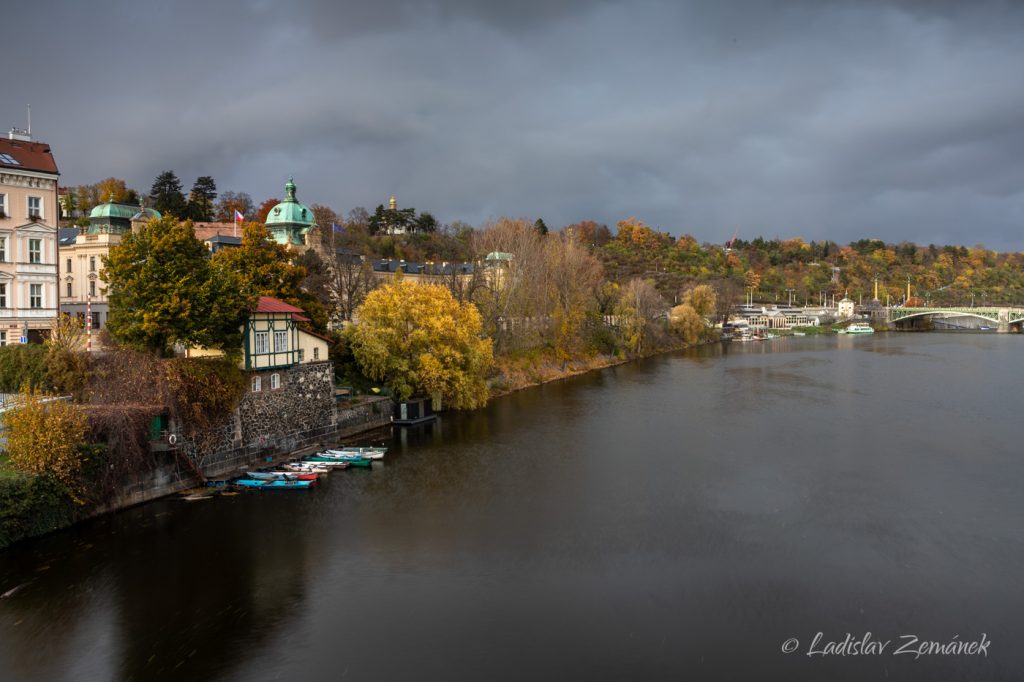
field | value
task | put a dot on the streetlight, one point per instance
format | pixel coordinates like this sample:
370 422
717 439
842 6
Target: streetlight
790 292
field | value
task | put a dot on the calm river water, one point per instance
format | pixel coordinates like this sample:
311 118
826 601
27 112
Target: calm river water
675 519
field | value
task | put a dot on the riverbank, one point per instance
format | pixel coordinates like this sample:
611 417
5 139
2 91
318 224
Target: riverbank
31 506
525 370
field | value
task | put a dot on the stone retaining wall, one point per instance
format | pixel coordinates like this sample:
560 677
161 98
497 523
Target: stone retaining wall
300 416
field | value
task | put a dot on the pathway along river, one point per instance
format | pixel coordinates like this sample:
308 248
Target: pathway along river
678 518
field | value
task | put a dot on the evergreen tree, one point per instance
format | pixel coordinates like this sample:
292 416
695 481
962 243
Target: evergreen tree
166 195
541 227
201 198
426 223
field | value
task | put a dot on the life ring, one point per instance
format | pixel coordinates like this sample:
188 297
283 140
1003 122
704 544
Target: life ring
172 439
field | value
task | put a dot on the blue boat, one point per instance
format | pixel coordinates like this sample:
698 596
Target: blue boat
275 485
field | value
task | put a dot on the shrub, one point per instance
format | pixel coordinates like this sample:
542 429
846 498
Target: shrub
43 437
33 505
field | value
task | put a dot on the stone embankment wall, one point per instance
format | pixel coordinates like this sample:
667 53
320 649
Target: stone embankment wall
300 415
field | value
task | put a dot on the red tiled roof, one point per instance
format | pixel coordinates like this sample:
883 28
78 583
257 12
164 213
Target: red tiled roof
300 318
268 304
319 336
32 156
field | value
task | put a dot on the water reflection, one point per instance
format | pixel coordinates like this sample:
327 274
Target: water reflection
677 518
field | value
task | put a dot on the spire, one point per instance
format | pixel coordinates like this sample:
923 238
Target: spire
289 190
392 204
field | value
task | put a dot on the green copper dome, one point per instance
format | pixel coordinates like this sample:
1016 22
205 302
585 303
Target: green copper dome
144 214
289 221
112 218
112 210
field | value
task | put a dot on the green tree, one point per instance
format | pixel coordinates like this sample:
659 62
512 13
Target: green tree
262 267
166 195
540 226
418 339
389 220
426 223
162 291
201 198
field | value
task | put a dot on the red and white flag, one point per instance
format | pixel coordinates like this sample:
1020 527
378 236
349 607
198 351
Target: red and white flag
238 216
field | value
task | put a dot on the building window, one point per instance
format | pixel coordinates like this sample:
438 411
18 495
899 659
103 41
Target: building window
35 207
35 295
69 266
280 342
35 250
261 343
257 384
3 295
302 355
3 247
69 289
92 287
92 263
3 335
275 382
95 320
3 205
316 352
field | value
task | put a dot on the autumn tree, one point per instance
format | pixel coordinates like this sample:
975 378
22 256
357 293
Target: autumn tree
418 339
638 308
264 209
115 189
262 267
200 205
573 274
163 291
687 323
66 361
43 437
233 201
702 299
511 289
166 195
351 279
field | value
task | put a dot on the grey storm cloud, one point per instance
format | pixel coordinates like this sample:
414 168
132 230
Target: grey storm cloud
827 120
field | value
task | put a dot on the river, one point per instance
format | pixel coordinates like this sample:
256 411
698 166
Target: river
678 518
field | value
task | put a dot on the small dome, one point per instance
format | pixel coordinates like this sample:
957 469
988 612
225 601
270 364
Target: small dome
146 214
290 212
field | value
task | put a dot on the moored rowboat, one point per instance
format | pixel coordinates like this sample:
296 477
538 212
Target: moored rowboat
273 485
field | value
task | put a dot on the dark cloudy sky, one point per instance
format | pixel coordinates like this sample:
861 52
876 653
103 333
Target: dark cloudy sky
895 120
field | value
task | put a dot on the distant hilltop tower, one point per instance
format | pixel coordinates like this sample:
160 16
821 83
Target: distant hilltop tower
393 203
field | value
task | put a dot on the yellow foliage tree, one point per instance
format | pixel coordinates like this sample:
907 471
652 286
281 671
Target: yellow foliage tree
43 436
703 299
687 322
417 338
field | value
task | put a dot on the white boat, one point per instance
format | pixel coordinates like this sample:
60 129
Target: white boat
799 334
858 328
366 453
